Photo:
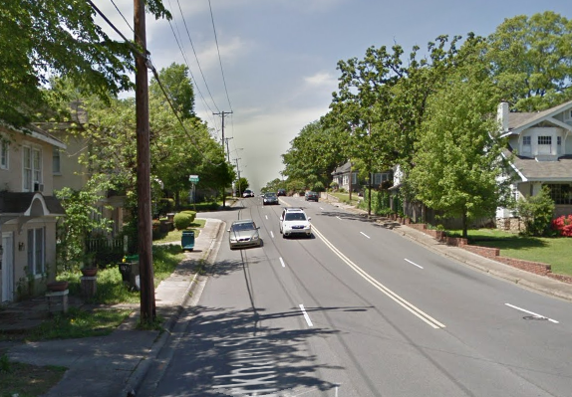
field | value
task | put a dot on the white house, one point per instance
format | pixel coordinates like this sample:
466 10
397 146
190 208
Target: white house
541 147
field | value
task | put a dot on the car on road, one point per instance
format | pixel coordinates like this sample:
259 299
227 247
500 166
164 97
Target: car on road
248 193
294 221
281 192
243 233
311 196
269 198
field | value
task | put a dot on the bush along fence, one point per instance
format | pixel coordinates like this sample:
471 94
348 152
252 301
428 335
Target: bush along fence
539 268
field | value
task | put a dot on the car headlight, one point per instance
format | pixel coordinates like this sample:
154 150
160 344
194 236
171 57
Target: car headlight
254 238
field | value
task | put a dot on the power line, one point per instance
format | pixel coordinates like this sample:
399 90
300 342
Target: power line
219 59
122 16
195 54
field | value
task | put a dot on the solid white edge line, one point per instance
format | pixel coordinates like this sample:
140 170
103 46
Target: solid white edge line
413 263
365 235
382 288
282 262
531 313
306 316
271 234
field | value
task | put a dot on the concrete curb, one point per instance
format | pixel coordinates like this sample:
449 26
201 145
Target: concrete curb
139 374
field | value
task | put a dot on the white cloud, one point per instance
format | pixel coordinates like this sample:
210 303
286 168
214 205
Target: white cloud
321 79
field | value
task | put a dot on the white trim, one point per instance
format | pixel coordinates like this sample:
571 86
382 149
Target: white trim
48 139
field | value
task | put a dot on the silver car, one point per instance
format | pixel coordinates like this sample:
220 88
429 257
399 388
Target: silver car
243 233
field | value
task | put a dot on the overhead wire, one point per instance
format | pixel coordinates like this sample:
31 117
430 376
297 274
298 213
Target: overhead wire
196 56
122 16
219 58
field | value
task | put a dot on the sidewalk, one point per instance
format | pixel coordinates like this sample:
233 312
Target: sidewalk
116 364
526 279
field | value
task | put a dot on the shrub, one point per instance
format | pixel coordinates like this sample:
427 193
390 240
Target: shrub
536 212
192 214
183 220
563 225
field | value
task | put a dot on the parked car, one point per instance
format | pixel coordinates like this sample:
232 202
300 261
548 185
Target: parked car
281 192
294 221
243 233
311 196
269 198
248 193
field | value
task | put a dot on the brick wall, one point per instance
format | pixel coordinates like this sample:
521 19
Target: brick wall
493 253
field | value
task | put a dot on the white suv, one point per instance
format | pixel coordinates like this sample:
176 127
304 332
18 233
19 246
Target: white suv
293 221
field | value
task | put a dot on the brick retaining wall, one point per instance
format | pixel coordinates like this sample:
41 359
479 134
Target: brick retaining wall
493 253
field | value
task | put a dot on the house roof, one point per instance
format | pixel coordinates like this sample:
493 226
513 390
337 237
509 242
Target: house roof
518 121
343 169
531 169
29 204
36 132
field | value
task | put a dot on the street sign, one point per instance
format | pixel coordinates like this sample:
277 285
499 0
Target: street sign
193 178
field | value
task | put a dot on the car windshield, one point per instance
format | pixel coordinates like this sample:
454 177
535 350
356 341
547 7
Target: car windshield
270 194
296 216
242 226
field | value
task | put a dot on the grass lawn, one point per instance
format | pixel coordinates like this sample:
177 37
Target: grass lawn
345 197
24 380
174 236
554 251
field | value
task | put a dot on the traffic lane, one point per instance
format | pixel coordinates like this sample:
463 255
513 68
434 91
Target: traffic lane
459 303
246 320
383 346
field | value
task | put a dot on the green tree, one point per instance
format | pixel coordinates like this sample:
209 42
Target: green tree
40 39
457 161
531 59
241 185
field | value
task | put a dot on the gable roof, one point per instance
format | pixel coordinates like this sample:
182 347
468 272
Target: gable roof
518 121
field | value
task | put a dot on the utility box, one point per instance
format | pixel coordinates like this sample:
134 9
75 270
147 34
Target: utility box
188 240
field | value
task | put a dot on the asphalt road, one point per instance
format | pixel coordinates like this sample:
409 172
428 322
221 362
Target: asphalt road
358 310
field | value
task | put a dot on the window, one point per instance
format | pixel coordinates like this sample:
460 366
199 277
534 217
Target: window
561 193
354 178
3 154
36 251
526 144
56 161
32 168
545 140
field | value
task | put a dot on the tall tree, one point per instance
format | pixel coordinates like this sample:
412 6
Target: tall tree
40 39
532 60
458 162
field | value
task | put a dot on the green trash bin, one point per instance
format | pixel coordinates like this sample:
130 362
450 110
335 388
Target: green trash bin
188 240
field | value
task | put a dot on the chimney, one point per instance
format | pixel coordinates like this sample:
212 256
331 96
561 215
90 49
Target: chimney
502 116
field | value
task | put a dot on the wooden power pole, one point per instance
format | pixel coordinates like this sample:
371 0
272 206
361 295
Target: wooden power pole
144 225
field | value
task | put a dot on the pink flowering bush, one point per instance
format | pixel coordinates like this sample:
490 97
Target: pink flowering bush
563 225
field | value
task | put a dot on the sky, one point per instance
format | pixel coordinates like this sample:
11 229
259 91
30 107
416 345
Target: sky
273 63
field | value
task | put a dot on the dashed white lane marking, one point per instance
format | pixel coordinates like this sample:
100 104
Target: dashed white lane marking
282 262
339 218
531 313
271 234
413 263
380 287
365 235
321 208
266 217
306 316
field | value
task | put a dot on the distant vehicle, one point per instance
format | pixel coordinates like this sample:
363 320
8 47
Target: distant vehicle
281 192
311 196
294 221
269 198
243 233
248 193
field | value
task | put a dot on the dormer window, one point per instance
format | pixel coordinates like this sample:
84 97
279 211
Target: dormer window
544 144
526 144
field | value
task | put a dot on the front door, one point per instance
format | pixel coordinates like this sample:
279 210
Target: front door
7 267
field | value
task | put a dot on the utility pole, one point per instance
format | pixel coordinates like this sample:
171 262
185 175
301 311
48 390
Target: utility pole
227 149
222 114
238 172
148 310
